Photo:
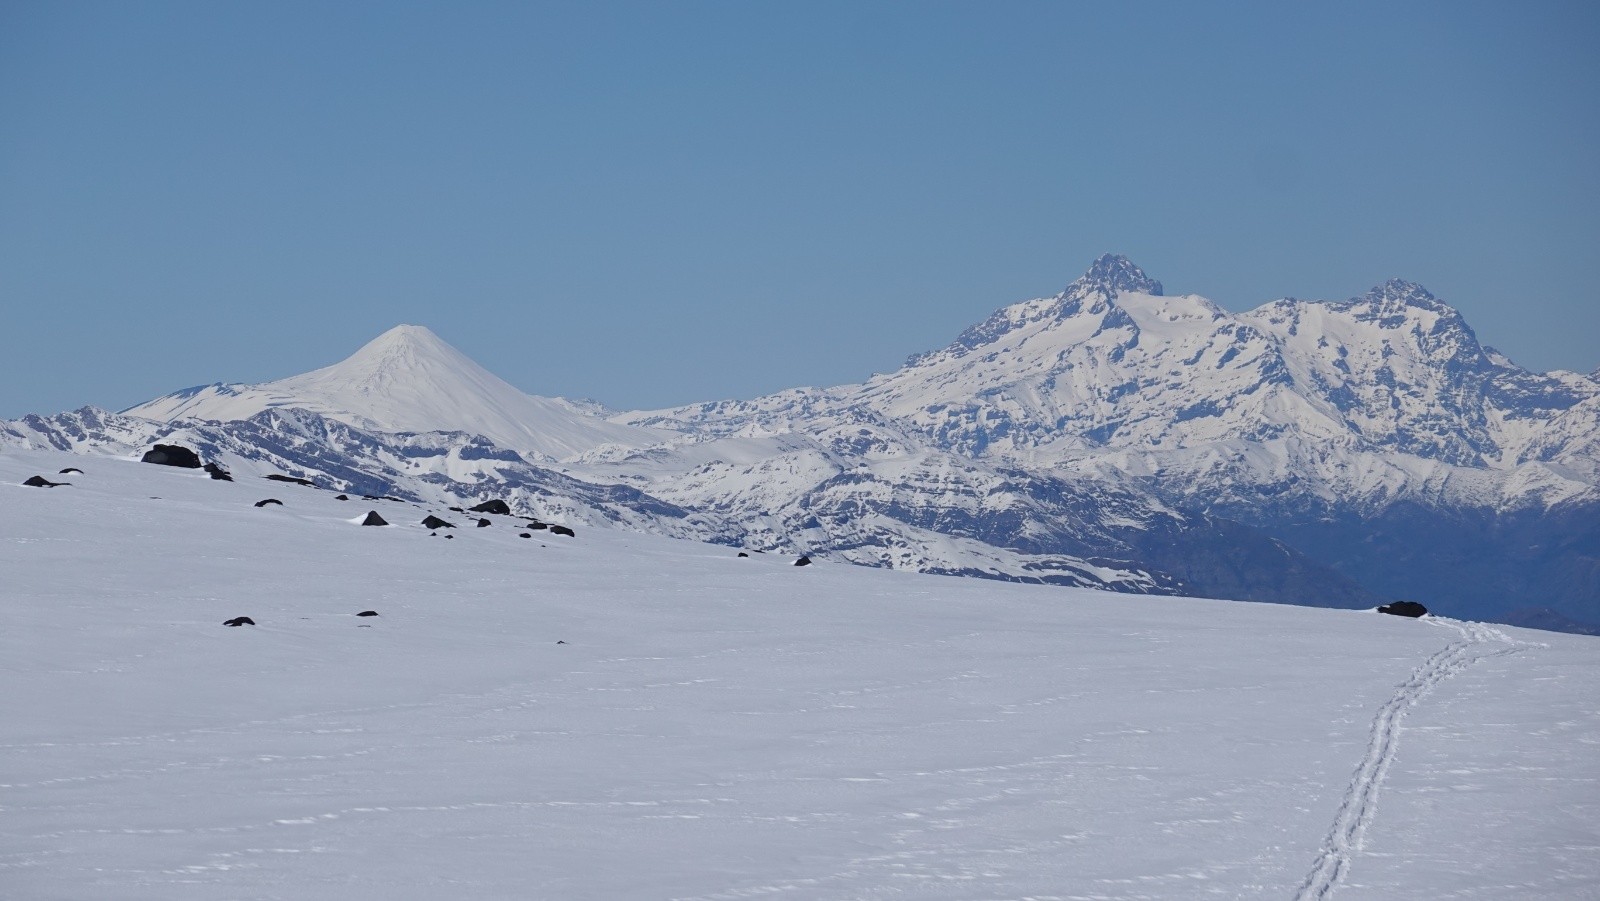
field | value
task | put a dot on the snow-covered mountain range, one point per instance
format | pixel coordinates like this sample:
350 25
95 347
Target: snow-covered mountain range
1326 453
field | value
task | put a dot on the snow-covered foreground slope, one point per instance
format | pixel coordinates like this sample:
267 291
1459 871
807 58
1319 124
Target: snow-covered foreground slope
717 727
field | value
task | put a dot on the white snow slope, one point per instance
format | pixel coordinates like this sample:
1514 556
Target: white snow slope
409 380
724 728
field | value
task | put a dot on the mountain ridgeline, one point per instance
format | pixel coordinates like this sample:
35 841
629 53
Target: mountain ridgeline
1113 436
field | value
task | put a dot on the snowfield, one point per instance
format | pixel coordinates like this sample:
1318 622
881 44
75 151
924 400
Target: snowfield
726 728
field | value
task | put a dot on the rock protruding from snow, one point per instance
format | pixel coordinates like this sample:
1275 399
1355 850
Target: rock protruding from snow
172 455
373 519
1404 608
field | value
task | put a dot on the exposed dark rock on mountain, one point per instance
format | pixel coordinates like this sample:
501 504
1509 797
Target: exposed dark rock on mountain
171 455
1404 608
484 523
562 530
240 621
217 473
70 469
341 497
492 506
42 482
268 501
277 477
367 613
373 519
434 522
803 561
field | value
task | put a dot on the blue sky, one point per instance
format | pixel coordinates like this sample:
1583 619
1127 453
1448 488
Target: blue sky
651 204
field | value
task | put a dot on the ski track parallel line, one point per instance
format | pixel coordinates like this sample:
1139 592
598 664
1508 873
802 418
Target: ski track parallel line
1359 804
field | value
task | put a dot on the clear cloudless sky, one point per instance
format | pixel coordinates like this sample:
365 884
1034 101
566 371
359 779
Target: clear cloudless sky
659 203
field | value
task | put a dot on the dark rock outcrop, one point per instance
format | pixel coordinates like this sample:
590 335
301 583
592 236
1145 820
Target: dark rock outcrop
373 519
283 478
484 523
367 613
171 455
42 482
563 530
434 522
803 561
270 500
743 554
70 469
494 506
537 525
1404 608
239 621
524 534
217 473
341 497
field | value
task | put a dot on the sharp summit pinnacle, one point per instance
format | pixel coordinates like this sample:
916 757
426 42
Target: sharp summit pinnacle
1114 274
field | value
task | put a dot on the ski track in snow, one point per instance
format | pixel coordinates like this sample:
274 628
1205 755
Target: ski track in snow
1346 838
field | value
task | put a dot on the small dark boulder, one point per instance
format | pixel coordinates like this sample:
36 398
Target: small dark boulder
563 530
524 534
560 642
239 621
381 497
449 536
71 469
434 522
803 561
1404 608
373 519
341 497
367 613
458 509
42 482
270 500
743 554
484 523
498 507
217 473
537 525
283 478
171 455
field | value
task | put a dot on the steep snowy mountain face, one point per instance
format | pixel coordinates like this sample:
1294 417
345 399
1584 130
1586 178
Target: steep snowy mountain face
409 380
1323 424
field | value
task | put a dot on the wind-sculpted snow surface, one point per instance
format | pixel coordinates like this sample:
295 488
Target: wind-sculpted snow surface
619 715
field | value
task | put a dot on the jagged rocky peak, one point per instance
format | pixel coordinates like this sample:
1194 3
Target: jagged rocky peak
1397 293
1114 274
